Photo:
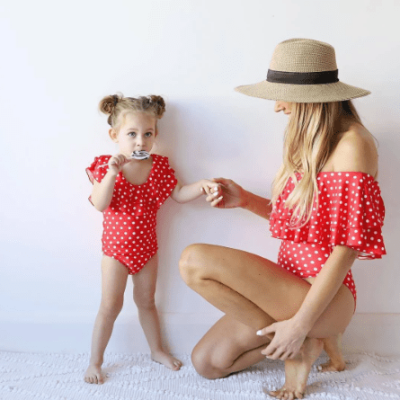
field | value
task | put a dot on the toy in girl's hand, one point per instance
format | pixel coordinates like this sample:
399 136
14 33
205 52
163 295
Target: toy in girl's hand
140 155
130 200
136 155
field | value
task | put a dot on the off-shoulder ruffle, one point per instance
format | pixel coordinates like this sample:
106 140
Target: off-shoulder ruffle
350 212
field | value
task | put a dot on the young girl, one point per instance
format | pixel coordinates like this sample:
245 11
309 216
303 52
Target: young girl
129 193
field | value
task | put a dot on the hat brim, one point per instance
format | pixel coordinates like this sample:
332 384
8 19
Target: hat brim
322 93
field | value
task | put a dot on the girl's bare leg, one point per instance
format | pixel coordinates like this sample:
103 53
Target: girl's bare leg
143 293
114 278
254 292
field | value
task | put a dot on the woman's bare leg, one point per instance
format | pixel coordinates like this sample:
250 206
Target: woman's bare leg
114 278
143 294
229 346
256 292
333 347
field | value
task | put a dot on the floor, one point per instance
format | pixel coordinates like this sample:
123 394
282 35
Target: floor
57 376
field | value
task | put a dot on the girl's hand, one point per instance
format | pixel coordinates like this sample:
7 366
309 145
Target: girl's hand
208 187
228 195
115 163
289 337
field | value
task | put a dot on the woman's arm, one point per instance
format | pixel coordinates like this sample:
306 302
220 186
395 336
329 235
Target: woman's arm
325 286
257 205
290 334
354 153
232 195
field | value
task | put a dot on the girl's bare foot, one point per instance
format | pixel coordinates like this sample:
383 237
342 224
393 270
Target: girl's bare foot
94 375
298 369
166 359
332 346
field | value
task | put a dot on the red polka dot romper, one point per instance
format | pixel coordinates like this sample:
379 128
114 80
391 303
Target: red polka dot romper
129 223
350 212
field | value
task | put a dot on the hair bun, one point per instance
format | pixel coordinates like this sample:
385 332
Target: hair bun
160 104
107 104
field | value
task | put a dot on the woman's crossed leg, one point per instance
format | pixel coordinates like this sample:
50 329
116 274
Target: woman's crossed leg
254 292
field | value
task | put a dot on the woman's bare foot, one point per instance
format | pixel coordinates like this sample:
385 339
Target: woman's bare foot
332 346
94 375
298 369
166 359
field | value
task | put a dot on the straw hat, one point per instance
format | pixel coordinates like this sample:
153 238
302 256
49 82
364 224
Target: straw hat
303 71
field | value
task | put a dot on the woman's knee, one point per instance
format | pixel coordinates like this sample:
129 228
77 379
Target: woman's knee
191 260
202 362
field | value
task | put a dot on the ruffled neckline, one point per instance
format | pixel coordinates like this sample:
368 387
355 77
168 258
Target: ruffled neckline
340 173
153 165
350 212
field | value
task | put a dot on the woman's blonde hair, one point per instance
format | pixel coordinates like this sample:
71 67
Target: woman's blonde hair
310 137
117 106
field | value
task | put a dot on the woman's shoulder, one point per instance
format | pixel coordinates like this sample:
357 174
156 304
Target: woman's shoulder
356 151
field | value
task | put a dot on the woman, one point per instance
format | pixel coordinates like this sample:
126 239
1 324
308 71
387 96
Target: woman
327 210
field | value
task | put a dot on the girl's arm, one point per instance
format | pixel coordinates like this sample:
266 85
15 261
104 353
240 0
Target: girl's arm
102 192
232 195
185 193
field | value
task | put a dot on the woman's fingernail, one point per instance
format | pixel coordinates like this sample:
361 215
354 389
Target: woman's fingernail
215 194
259 333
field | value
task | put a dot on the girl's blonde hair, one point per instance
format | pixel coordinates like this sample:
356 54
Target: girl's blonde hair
117 106
310 137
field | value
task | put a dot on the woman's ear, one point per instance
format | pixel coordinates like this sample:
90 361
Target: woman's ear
113 135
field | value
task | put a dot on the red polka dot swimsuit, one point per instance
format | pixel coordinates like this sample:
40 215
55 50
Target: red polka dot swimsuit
350 212
129 223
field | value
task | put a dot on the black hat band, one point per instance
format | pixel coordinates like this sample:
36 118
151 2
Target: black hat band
303 78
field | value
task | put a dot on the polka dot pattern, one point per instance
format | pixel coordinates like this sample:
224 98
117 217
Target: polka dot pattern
350 212
306 260
129 223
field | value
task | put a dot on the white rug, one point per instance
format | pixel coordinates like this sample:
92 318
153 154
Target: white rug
37 376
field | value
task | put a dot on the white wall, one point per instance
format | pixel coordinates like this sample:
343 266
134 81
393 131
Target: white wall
60 58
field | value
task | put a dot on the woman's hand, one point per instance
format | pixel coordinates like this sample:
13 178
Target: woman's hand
115 163
287 341
228 194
